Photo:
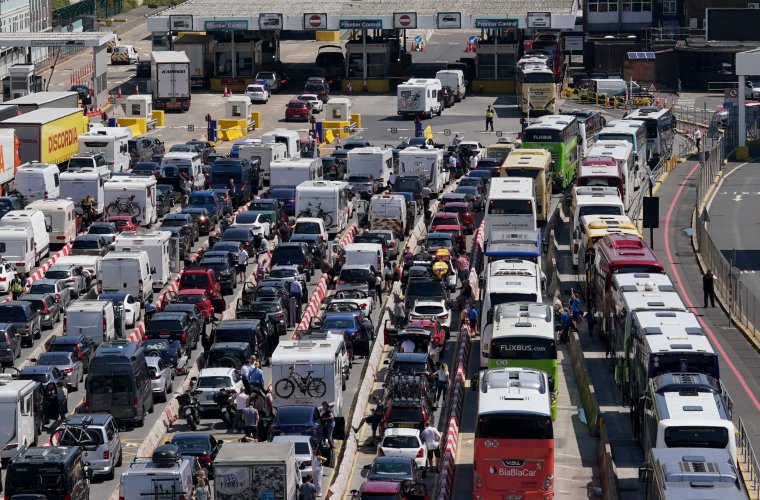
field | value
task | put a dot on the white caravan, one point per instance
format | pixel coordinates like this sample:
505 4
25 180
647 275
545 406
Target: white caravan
425 162
265 154
38 181
17 406
60 218
419 97
291 172
156 244
132 196
327 200
77 185
111 142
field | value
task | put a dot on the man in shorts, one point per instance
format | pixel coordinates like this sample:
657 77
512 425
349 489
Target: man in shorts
374 419
242 264
432 439
251 421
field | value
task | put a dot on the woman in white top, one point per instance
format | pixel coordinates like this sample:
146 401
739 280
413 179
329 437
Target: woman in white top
442 375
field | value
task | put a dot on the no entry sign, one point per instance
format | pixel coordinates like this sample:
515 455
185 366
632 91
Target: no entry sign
315 21
404 20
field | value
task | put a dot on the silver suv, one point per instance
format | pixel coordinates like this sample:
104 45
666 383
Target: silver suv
98 435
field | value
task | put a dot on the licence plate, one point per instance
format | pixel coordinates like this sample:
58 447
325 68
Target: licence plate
406 425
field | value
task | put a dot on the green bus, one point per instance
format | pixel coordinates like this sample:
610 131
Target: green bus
523 337
561 136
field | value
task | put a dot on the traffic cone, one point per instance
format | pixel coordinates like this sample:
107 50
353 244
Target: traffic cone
226 91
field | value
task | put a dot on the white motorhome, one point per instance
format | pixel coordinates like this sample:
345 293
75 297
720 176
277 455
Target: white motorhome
17 247
454 79
60 218
327 200
139 191
265 154
323 357
373 161
38 181
156 244
95 319
187 164
388 211
127 272
419 97
77 185
288 137
111 142
17 406
425 162
35 220
291 172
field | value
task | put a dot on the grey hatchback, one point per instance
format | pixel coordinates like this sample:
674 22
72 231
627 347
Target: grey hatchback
23 316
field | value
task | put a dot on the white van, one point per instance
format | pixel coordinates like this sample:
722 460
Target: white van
92 318
127 272
419 97
111 142
388 211
454 79
425 162
156 244
293 171
141 191
17 408
365 254
265 154
60 218
328 200
288 137
188 164
38 181
17 247
124 54
158 478
77 185
35 220
372 161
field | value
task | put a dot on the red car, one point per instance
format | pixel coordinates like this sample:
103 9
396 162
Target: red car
298 110
391 490
437 333
203 279
466 216
124 222
198 296
444 219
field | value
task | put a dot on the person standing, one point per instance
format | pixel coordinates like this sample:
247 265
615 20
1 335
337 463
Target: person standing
442 375
698 139
245 370
575 306
327 419
296 292
432 439
200 492
472 316
456 140
708 287
399 313
256 377
564 323
317 463
452 164
242 264
241 402
250 420
379 286
17 288
408 345
417 127
62 397
474 161
463 267
489 118
374 418
307 490
388 275
391 181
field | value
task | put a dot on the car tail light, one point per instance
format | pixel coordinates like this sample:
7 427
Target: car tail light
380 452
420 453
3 278
105 325
67 370
60 237
20 264
157 376
341 282
106 455
45 310
65 497
205 458
136 403
443 316
57 296
46 194
362 306
184 337
86 404
575 248
280 315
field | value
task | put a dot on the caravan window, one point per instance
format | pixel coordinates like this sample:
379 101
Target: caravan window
2 247
57 180
26 407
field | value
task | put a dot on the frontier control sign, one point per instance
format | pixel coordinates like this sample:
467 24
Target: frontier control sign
360 24
493 23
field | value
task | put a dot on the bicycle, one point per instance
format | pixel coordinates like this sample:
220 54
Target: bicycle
72 435
321 214
123 206
312 386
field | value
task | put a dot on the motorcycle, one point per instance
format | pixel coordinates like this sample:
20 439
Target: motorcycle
190 408
226 406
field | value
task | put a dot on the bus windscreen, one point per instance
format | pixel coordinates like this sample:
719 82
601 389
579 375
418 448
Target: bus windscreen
510 207
693 362
542 135
515 426
696 436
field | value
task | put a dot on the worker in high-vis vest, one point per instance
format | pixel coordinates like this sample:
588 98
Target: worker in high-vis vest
489 118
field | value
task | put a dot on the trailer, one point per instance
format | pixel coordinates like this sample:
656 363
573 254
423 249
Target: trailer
170 79
256 470
45 100
199 50
9 159
48 135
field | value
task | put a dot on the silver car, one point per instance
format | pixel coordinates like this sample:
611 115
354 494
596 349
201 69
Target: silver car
104 454
58 288
70 367
303 448
160 377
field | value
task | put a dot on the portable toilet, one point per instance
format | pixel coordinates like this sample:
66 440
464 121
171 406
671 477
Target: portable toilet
338 108
238 107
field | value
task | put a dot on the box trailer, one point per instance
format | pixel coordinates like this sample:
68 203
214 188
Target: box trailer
256 470
9 159
48 135
170 78
46 100
199 50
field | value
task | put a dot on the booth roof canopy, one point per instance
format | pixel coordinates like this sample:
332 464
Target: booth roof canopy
210 9
50 39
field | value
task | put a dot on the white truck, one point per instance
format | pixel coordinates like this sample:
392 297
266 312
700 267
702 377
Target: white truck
371 161
170 79
454 79
284 136
8 156
95 319
38 181
388 211
77 185
156 244
200 51
419 97
17 407
132 196
256 470
111 142
424 162
327 200
291 172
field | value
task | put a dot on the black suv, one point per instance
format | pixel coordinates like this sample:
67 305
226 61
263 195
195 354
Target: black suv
424 289
251 331
229 355
173 326
82 348
48 472
296 254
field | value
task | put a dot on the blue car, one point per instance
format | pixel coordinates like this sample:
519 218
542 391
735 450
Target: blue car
288 198
299 420
169 350
210 201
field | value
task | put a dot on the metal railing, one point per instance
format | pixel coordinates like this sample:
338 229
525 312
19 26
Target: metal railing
745 456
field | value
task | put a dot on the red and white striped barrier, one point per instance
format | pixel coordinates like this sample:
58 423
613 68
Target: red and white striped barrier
39 273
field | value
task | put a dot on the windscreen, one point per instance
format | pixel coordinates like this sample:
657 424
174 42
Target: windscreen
307 228
35 478
400 442
600 210
531 173
693 362
407 185
651 128
541 135
287 255
538 77
293 416
210 382
85 244
202 200
357 179
233 334
505 297
164 325
405 414
600 181
246 218
338 324
54 359
425 288
517 426
616 137
189 299
57 275
696 436
12 315
223 178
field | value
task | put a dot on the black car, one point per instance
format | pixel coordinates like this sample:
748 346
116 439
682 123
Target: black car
242 235
272 312
168 350
205 221
252 331
448 96
317 246
205 148
143 69
185 237
424 289
79 345
164 203
229 355
225 273
319 88
295 253
144 148
182 220
146 168
197 317
332 170
201 445
84 93
172 326
90 244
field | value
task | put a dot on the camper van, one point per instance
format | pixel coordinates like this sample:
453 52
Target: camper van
111 142
38 181
265 154
95 319
17 408
59 217
17 247
288 137
419 97
120 192
327 200
35 220
156 244
127 272
188 164
424 162
77 185
293 171
374 162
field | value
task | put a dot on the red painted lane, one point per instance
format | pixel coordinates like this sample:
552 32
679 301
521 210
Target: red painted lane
688 300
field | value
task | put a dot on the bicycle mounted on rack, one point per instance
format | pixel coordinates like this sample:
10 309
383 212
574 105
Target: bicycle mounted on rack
320 214
124 206
313 386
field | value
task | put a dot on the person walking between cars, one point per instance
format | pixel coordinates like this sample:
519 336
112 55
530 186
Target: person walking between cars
442 377
241 403
250 420
708 287
307 490
417 127
242 264
317 463
463 268
256 377
474 161
327 419
200 492
62 396
399 313
698 139
432 439
17 288
296 291
489 118
245 370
